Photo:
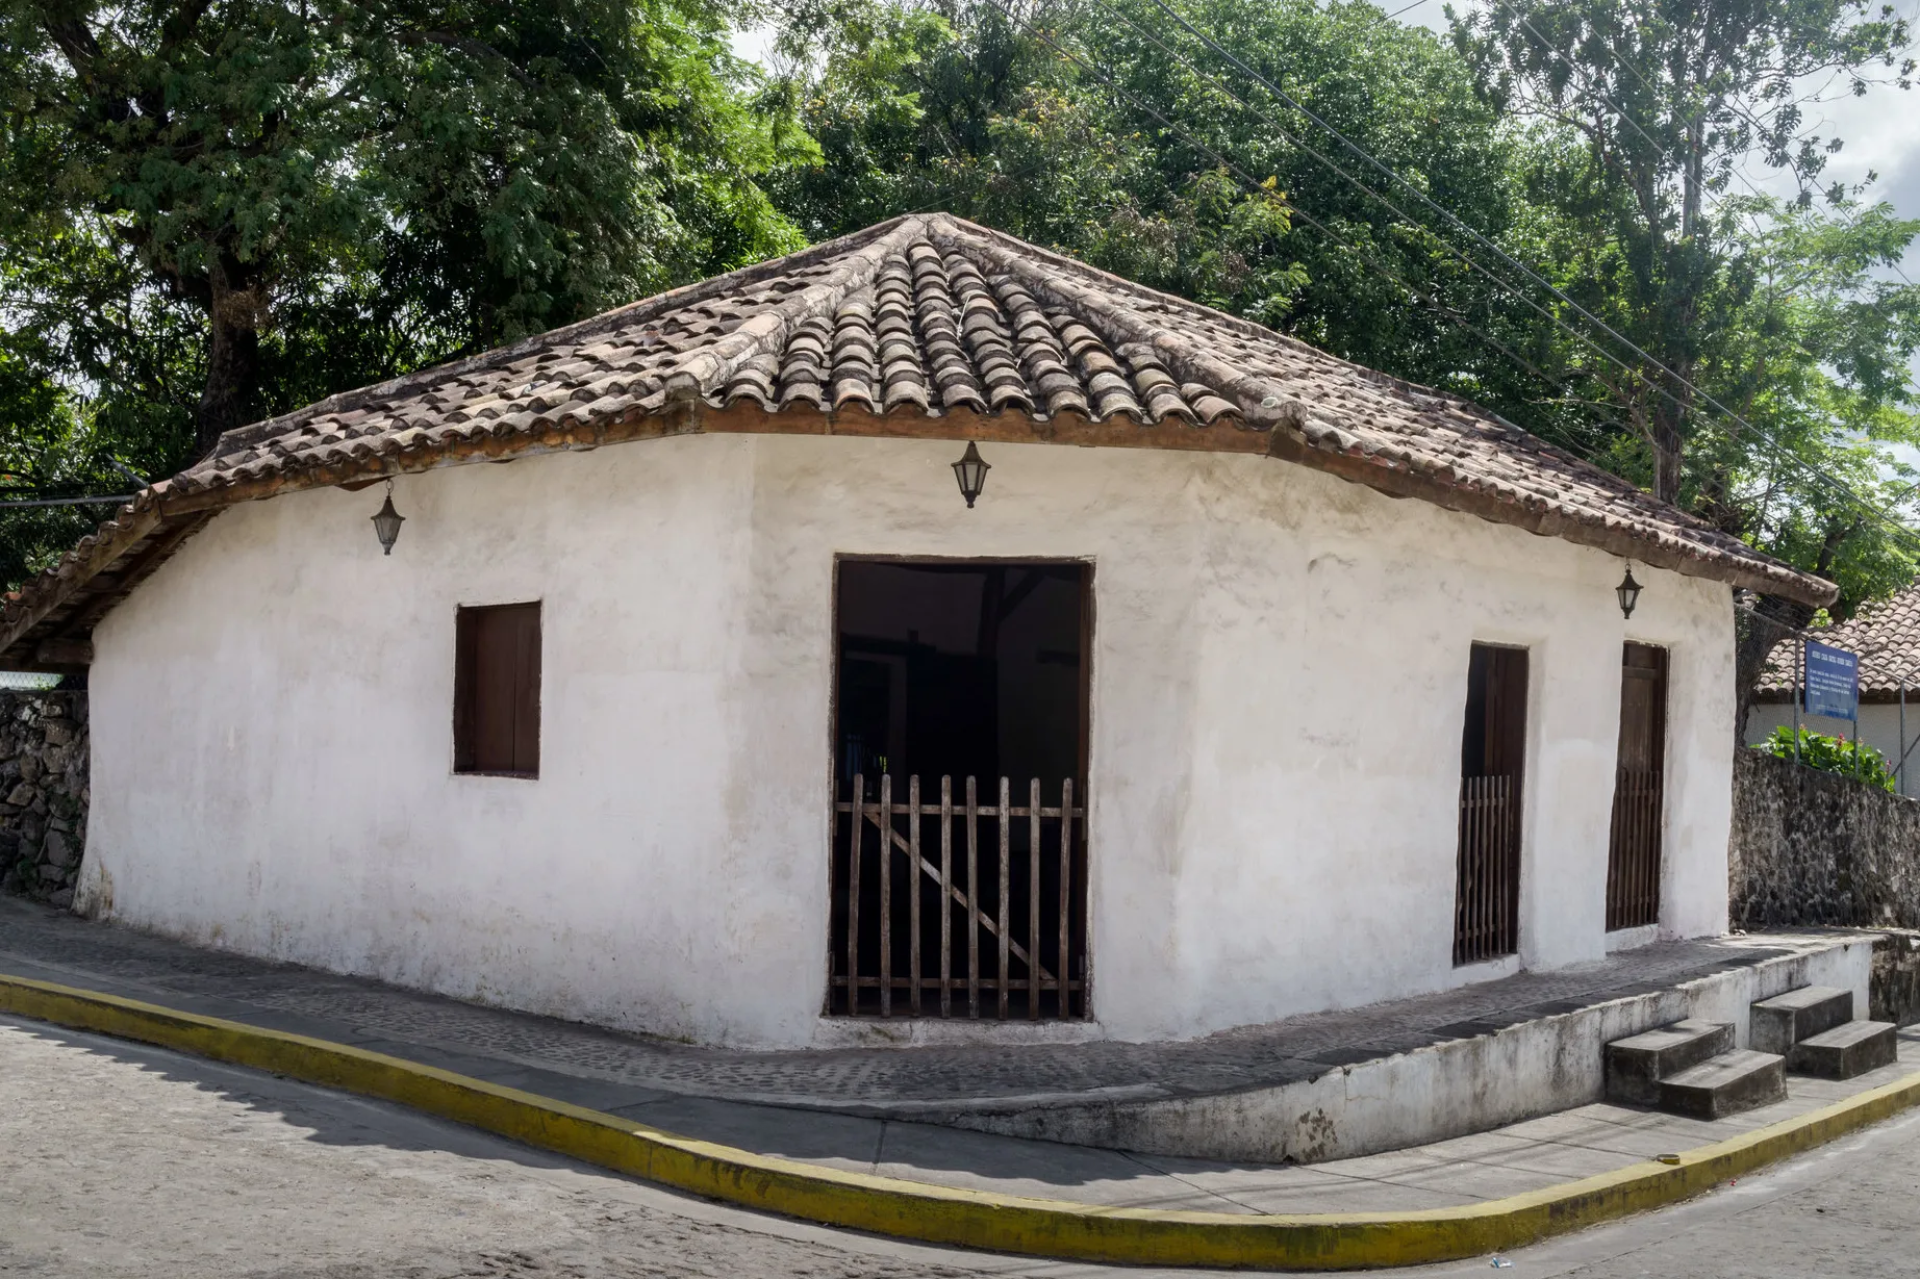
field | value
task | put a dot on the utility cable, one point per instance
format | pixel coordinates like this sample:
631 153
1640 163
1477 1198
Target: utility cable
1833 486
1819 479
1447 214
1626 117
68 501
1255 186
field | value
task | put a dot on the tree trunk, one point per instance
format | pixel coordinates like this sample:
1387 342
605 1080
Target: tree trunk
1755 636
1666 424
232 395
1774 619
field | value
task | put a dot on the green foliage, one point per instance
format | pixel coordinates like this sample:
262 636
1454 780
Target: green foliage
1770 361
1832 755
951 105
212 212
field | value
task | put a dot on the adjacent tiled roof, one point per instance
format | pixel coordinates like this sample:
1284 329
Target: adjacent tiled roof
926 326
1886 636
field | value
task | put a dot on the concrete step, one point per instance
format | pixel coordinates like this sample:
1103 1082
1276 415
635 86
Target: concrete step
1783 1021
1637 1064
1726 1085
1847 1050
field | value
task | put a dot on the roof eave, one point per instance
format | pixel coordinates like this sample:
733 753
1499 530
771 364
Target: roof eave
187 508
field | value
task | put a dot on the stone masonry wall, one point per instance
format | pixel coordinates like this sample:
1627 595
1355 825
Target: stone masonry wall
1812 848
43 793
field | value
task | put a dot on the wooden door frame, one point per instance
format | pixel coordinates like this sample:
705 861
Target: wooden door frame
1087 565
1522 783
1662 746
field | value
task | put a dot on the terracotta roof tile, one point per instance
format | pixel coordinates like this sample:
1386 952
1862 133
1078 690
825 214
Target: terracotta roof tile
935 326
1886 636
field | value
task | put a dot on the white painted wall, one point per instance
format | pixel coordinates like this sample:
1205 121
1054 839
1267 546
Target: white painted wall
1279 676
1880 728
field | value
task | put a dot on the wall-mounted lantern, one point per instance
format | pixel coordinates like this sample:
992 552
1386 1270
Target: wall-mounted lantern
1629 593
971 470
387 522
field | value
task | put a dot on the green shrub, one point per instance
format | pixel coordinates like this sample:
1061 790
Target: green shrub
1831 754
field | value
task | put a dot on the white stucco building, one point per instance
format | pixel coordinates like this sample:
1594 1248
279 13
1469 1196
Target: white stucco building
1885 637
1334 665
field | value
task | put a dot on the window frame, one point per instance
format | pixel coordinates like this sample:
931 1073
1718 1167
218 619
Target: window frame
467 668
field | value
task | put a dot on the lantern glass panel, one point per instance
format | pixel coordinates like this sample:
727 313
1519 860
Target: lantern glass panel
386 524
971 473
1629 593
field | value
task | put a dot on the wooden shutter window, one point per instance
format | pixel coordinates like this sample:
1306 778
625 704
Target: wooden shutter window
496 690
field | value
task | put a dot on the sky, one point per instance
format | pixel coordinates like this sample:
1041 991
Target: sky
1881 132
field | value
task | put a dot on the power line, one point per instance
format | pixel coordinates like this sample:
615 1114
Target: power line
1627 64
68 501
1253 184
1409 8
1447 214
1398 212
1820 479
1832 485
1626 117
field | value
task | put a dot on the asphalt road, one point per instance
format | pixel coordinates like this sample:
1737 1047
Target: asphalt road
120 1161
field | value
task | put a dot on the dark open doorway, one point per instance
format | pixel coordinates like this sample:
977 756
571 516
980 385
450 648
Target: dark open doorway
1493 750
959 865
1633 851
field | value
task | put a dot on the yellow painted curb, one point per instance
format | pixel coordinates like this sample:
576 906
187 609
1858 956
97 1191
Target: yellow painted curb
937 1214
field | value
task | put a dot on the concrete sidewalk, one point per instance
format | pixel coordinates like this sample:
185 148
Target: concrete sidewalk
886 1080
594 1069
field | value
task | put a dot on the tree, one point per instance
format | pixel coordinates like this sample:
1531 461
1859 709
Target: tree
1756 369
214 211
1813 364
524 164
1669 100
1110 147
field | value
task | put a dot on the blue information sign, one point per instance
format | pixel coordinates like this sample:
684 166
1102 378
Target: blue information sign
1833 682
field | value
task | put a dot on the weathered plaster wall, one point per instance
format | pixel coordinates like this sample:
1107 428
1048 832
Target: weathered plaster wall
1279 676
43 792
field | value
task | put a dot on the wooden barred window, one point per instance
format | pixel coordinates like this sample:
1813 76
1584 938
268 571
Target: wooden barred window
1493 749
496 690
1633 852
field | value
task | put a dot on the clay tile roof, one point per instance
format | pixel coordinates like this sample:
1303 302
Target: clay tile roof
1886 636
926 325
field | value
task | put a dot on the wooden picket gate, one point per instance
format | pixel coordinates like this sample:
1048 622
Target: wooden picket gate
950 907
1639 794
1487 894
1493 752
1633 857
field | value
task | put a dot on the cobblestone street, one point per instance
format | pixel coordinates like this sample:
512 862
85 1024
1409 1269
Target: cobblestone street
120 1161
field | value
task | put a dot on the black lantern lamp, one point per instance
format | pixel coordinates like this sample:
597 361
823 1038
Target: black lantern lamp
387 522
1629 593
971 470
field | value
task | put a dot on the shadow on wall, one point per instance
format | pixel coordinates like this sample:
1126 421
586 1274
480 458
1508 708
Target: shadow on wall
43 792
1811 848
